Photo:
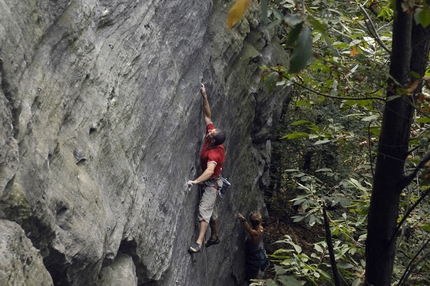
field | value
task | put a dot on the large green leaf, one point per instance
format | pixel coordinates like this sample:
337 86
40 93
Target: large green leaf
264 4
295 135
288 280
423 16
301 121
294 34
302 52
423 120
317 25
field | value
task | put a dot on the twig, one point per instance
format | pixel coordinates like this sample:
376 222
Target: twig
408 212
338 97
370 150
407 179
372 30
330 248
407 270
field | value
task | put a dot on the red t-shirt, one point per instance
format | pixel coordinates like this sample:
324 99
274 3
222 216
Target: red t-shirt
214 154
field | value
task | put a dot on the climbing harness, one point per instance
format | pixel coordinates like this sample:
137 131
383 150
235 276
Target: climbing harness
225 185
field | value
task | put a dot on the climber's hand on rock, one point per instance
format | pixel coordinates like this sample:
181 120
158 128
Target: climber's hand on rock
203 89
240 216
191 183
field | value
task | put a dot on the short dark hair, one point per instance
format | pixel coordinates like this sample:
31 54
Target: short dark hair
219 137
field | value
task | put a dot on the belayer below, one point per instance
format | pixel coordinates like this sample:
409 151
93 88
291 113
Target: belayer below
256 256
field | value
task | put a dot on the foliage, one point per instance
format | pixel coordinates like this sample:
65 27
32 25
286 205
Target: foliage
338 69
348 202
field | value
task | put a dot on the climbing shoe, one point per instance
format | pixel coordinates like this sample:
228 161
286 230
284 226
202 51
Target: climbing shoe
212 242
195 248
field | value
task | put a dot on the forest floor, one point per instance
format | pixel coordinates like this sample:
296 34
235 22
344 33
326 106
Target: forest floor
276 228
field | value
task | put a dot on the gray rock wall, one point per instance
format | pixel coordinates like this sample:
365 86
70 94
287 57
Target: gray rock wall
101 127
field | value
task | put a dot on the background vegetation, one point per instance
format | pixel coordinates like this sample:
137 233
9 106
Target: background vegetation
352 152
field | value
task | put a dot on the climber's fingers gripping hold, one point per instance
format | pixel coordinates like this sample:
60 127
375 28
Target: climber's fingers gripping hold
190 183
202 89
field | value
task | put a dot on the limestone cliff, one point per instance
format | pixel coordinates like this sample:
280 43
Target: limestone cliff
101 127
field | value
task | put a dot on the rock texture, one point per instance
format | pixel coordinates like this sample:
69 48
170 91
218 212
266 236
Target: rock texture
20 263
101 127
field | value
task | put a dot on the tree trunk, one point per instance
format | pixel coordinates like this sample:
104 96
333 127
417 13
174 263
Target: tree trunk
409 53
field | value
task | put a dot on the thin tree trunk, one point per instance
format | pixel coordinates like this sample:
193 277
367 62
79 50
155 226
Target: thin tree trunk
409 53
392 152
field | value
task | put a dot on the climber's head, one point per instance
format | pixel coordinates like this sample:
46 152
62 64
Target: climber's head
255 218
216 136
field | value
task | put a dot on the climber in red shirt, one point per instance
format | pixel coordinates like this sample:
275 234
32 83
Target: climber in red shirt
212 158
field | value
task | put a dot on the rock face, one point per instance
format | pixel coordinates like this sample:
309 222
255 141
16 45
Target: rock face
101 127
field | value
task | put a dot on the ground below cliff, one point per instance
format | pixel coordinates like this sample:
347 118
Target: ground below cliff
275 229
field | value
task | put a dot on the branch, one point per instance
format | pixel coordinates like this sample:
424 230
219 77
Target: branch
330 248
370 150
408 213
326 95
408 268
338 97
407 179
372 29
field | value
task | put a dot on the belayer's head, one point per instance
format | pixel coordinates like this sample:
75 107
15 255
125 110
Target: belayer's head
255 218
216 136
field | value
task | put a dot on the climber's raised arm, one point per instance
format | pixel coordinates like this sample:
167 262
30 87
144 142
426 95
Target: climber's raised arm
206 106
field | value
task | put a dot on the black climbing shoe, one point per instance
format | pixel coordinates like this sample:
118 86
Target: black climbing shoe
212 242
195 248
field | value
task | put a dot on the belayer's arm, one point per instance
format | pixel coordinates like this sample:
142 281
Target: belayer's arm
254 234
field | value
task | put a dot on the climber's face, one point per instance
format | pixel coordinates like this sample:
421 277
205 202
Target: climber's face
211 133
210 136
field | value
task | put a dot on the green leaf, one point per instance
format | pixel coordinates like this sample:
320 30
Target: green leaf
297 218
320 142
345 265
357 184
270 81
423 120
375 130
360 102
415 75
273 24
294 34
425 227
279 270
300 122
317 25
424 16
293 19
288 280
392 97
324 170
270 282
295 135
303 102
264 4
370 118
318 248
344 202
302 52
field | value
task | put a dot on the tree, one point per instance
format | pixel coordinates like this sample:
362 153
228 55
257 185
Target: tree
410 49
